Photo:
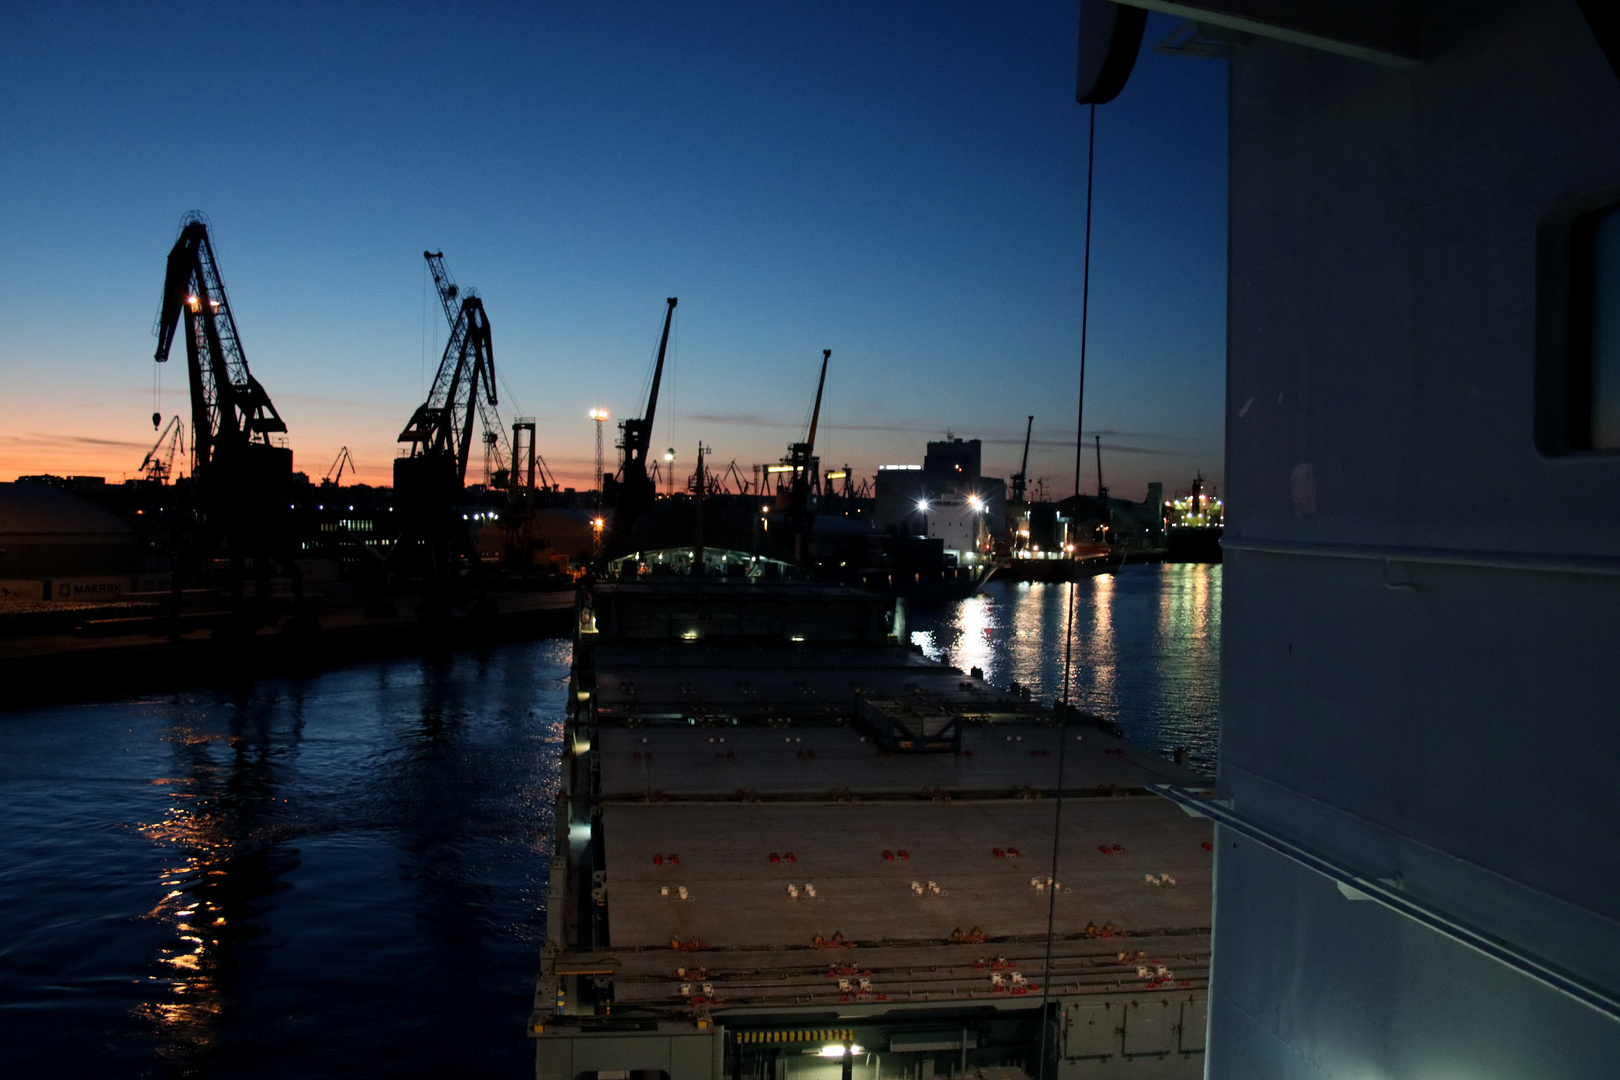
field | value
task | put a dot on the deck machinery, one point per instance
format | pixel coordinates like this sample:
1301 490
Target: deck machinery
790 848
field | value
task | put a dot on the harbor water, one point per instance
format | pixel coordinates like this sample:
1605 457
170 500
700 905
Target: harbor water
1143 648
345 874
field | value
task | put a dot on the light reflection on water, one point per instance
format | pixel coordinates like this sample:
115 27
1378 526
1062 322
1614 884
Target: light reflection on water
1145 648
343 875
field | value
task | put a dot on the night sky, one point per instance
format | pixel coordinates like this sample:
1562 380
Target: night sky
901 183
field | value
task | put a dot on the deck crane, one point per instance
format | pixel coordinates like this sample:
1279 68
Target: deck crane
806 468
631 494
157 467
430 475
1020 481
243 479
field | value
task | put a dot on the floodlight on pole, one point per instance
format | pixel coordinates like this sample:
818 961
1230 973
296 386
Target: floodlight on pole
599 415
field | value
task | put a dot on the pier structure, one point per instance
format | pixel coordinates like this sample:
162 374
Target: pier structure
787 845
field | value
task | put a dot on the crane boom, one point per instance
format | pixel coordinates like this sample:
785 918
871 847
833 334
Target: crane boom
815 413
448 290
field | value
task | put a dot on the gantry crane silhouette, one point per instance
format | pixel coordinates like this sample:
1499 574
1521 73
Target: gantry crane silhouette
243 480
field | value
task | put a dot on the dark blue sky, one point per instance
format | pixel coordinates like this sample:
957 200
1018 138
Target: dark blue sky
903 184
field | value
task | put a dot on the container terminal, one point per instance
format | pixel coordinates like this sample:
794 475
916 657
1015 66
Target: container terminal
787 845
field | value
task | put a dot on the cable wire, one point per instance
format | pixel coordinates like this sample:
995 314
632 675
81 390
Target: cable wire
1068 624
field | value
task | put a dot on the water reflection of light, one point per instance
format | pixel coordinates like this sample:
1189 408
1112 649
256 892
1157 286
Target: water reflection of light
217 802
924 640
1146 647
975 625
1100 654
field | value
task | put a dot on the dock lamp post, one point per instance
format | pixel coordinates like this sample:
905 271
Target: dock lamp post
669 467
922 512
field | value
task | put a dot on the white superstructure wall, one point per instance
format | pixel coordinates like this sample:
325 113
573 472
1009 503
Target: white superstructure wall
1422 608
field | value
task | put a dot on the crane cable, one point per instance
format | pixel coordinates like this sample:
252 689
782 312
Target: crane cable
1068 627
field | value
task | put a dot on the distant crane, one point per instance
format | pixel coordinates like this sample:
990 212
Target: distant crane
1102 492
1019 478
334 475
806 468
243 480
631 494
736 478
702 483
157 467
430 477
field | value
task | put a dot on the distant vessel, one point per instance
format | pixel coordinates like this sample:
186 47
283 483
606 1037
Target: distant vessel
1193 525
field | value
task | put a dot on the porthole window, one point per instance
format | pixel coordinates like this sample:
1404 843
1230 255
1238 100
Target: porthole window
1578 327
1594 360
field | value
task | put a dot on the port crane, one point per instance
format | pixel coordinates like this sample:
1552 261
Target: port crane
805 468
243 479
631 493
1106 510
430 475
157 467
1020 478
334 475
734 478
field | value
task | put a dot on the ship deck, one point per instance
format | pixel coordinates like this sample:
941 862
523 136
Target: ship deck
747 842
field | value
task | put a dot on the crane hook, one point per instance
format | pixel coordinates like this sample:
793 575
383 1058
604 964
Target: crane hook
157 418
